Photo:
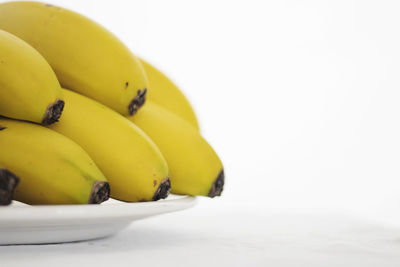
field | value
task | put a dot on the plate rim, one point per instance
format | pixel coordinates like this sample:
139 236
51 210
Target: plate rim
113 210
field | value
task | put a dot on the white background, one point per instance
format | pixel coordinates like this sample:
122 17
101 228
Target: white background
301 100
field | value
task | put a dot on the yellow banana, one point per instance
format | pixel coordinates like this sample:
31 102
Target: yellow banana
29 89
52 168
195 168
8 182
133 165
86 57
163 92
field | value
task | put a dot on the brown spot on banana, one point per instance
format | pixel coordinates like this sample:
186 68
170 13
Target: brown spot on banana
218 185
2 128
8 182
137 101
163 189
53 112
100 192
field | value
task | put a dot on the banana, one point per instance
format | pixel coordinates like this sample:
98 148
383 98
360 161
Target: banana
163 92
85 56
8 182
133 165
29 89
195 168
52 168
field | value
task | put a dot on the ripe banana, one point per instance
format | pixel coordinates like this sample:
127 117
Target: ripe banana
29 89
133 165
195 168
86 57
166 94
52 168
8 182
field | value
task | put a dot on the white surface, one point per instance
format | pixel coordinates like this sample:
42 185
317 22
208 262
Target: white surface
301 101
23 224
215 233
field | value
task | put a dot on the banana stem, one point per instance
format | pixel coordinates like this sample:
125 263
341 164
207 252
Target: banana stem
53 112
8 182
138 101
100 192
218 185
163 189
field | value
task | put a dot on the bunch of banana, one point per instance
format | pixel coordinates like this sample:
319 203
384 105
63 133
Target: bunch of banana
166 94
132 163
85 57
105 128
195 168
52 168
29 88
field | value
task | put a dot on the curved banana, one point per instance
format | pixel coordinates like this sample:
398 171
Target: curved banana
85 56
195 168
8 182
166 94
29 89
52 168
133 165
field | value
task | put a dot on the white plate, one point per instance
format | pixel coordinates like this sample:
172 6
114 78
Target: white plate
23 224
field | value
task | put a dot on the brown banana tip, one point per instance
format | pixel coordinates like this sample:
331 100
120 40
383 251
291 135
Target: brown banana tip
8 182
100 192
137 101
163 189
53 112
218 185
